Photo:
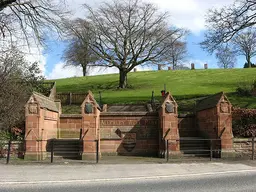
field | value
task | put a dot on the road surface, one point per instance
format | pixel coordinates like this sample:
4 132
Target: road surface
235 181
183 177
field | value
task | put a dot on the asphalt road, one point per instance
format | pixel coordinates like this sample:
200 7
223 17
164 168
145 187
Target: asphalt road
237 181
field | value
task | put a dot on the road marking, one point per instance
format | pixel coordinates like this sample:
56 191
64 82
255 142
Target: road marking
124 178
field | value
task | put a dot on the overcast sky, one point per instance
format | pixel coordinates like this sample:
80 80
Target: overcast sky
189 14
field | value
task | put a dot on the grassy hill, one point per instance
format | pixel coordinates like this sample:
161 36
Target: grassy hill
185 85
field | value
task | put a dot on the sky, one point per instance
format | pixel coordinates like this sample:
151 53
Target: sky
189 14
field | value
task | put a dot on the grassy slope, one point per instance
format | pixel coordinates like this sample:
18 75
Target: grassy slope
185 85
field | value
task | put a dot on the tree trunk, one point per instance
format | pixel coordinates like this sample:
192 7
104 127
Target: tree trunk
122 79
173 63
84 71
248 59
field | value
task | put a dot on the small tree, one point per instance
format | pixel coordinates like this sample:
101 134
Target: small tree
178 53
130 33
226 57
17 79
78 52
223 24
245 44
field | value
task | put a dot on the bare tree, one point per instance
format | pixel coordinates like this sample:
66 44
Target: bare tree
78 52
245 44
223 24
178 53
25 19
128 34
17 79
226 57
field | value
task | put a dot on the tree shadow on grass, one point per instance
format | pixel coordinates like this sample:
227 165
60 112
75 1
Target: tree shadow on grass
83 88
242 101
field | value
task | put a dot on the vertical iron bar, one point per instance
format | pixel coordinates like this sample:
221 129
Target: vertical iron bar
100 104
253 148
52 147
152 98
167 145
70 98
97 151
211 150
8 152
80 134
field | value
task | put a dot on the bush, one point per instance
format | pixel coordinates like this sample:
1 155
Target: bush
246 88
244 122
247 66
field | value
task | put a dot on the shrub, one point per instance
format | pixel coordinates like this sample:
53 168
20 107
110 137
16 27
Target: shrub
246 88
244 122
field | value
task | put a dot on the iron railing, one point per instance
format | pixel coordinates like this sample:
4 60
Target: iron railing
52 150
209 148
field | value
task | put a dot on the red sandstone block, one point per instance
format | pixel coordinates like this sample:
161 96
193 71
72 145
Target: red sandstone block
32 119
62 120
173 147
88 118
103 147
108 150
29 125
78 125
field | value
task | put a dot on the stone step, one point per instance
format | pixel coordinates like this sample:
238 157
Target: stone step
66 156
68 149
66 141
194 146
66 145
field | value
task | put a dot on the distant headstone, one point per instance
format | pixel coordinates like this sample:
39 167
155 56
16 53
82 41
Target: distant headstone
192 66
159 67
169 68
134 70
205 66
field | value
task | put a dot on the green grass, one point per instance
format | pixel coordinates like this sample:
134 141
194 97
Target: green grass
185 85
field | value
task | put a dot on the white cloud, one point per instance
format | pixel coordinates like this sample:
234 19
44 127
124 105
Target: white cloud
189 13
60 72
36 55
102 70
184 13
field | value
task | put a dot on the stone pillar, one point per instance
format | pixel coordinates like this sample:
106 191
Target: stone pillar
225 128
206 66
33 130
168 116
42 116
90 126
192 66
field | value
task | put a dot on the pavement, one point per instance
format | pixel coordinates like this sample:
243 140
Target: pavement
52 173
143 177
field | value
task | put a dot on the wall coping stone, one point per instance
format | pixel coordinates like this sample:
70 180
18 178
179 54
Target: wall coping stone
128 114
242 139
70 116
